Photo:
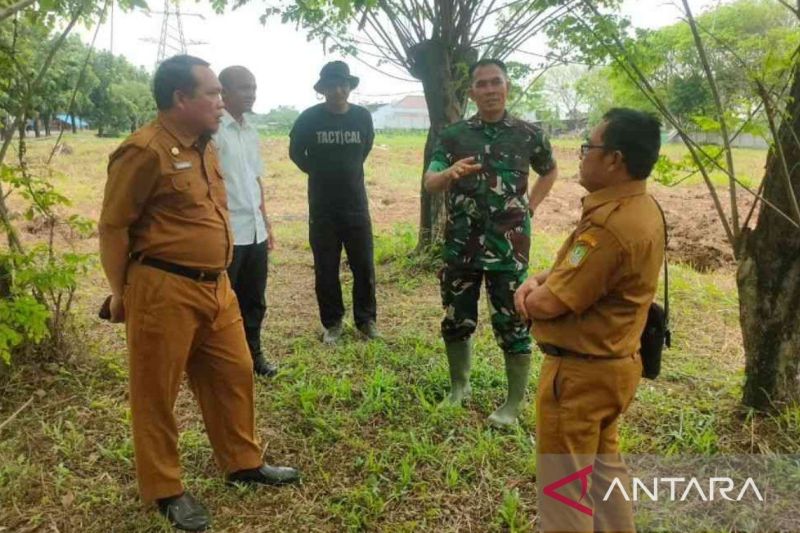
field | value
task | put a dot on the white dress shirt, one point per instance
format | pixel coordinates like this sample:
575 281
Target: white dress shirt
238 147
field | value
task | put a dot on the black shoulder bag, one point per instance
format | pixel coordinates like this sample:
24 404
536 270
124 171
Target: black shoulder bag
656 334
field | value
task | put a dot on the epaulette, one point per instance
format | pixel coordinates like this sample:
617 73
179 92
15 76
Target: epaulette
140 138
599 216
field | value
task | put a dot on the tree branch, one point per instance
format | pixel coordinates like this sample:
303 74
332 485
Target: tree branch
81 76
15 413
787 177
795 10
14 241
640 80
413 19
381 56
383 34
529 86
750 116
401 31
712 82
529 32
505 41
479 21
13 8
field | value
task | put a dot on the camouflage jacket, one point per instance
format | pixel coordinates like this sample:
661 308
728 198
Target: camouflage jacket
488 222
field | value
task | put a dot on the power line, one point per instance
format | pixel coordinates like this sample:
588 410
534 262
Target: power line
172 39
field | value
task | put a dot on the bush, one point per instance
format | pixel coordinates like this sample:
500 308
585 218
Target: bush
37 284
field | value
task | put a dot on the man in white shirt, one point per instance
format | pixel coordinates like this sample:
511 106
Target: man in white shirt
238 146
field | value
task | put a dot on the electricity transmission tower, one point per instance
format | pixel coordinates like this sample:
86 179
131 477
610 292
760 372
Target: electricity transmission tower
172 39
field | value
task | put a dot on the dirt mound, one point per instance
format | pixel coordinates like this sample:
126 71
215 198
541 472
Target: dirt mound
696 235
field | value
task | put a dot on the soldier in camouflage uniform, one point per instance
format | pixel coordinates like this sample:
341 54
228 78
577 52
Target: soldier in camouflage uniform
482 165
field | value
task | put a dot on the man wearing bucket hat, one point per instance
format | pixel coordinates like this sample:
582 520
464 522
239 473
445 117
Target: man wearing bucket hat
330 142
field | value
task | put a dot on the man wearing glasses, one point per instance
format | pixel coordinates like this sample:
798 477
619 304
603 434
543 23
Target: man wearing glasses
588 313
482 165
330 143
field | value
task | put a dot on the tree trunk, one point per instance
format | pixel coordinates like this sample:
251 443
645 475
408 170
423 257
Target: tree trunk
37 131
74 127
46 119
769 280
442 69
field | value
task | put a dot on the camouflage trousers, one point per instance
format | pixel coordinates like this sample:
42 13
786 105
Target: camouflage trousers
460 293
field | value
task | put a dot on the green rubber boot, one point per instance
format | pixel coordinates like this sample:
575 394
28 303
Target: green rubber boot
518 369
459 359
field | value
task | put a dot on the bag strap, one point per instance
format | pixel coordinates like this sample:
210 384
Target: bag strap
667 338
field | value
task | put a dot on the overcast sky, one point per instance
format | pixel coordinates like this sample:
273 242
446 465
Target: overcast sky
285 64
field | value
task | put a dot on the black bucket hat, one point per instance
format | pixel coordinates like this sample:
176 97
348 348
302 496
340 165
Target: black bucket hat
335 71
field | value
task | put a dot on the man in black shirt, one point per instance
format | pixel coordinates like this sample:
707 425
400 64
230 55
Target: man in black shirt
330 143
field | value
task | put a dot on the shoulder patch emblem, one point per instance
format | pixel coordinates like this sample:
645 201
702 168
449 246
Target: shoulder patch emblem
588 239
583 244
578 252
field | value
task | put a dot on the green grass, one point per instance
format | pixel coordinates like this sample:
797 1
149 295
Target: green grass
361 420
748 163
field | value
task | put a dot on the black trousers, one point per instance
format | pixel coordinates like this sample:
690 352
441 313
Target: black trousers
328 235
248 275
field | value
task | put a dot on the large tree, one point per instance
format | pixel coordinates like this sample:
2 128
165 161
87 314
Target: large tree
769 255
769 273
432 40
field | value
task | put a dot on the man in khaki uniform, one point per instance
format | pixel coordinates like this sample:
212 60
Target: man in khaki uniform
588 313
165 242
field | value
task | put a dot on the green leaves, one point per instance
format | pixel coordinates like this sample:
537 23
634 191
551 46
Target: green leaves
745 40
131 4
22 319
39 283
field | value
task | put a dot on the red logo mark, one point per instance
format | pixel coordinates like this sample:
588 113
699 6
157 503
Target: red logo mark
583 475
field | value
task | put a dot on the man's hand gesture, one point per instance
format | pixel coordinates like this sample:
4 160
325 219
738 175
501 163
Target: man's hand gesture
463 167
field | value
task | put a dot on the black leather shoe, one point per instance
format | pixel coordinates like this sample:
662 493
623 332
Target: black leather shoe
184 512
263 368
265 475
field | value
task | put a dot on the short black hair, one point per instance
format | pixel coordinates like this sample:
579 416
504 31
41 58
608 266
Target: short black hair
637 135
175 74
487 62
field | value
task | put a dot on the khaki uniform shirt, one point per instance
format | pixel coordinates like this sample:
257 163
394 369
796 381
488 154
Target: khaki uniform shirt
168 191
607 274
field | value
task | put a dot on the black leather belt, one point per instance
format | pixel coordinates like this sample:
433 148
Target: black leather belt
180 270
557 351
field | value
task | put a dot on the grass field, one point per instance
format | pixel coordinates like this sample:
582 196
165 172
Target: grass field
361 420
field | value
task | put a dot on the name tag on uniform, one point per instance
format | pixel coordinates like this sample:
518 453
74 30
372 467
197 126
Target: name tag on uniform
182 165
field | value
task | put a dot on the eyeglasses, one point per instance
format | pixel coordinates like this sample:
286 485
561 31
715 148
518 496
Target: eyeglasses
585 147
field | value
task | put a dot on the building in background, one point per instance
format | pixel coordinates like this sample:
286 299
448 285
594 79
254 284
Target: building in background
408 113
65 121
743 140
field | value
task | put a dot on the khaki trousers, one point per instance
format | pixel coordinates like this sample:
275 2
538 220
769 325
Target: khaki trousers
578 405
176 325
